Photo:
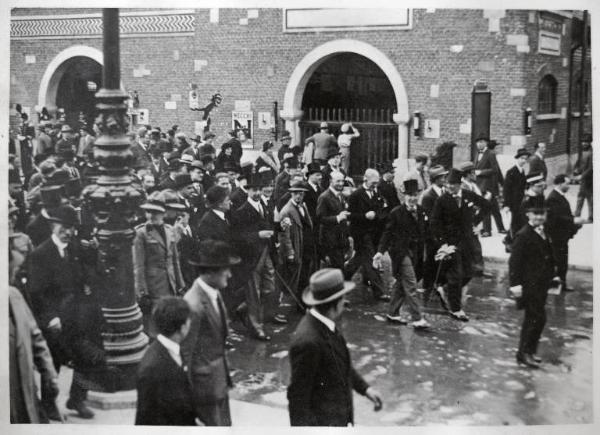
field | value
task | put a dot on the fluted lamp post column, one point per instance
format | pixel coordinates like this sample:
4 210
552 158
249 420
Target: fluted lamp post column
113 201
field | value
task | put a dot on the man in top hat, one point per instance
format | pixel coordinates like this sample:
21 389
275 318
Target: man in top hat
297 244
452 222
419 172
252 234
156 267
531 271
282 181
365 207
537 162
311 196
536 185
584 173
322 376
561 226
515 183
332 216
437 177
404 239
56 278
387 188
323 143
334 158
164 393
203 350
489 177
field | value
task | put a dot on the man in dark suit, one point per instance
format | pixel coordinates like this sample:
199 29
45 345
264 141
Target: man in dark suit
164 395
56 278
584 173
560 226
404 239
531 271
322 376
515 184
537 163
311 197
536 184
365 207
452 222
252 234
332 218
387 188
203 350
437 176
214 224
489 177
334 159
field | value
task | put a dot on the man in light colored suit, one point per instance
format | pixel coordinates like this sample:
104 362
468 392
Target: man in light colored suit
203 349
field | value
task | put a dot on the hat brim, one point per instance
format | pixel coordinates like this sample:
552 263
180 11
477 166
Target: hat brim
175 206
308 298
153 207
441 174
527 153
233 261
297 189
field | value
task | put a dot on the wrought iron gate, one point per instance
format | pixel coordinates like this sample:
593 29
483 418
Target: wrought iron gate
378 141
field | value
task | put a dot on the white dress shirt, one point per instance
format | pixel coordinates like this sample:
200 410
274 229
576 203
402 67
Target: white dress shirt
172 348
437 189
220 213
213 294
257 206
325 320
60 245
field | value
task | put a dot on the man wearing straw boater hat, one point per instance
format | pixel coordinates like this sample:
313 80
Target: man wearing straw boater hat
322 376
156 268
532 272
203 349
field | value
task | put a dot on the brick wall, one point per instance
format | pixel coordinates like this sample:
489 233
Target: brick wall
450 48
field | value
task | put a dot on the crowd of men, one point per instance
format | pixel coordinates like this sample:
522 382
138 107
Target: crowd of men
221 237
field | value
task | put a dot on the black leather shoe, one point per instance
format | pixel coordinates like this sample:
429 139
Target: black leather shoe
82 410
527 360
262 336
384 298
52 411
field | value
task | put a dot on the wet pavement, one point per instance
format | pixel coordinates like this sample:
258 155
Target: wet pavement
456 373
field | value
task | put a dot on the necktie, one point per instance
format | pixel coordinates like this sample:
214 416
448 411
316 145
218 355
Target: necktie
260 210
540 231
457 199
300 209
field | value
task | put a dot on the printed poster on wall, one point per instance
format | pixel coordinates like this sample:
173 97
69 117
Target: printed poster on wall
242 122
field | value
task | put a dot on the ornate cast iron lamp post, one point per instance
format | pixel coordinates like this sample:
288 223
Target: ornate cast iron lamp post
113 201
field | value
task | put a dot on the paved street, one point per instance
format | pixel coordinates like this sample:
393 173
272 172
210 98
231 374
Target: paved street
457 373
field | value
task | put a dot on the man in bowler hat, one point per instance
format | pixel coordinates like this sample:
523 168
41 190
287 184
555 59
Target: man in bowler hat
322 376
203 350
531 271
515 183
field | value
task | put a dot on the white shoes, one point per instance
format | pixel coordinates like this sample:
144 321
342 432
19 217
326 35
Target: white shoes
420 324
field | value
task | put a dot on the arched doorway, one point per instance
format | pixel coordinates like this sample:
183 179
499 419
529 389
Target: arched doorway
371 58
76 89
348 87
70 82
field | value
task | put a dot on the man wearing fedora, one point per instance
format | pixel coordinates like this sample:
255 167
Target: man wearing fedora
437 177
215 224
332 216
515 183
452 221
322 376
175 167
365 207
56 278
322 142
297 247
531 271
489 177
252 234
203 349
156 267
404 239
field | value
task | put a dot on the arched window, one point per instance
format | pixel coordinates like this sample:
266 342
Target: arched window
547 95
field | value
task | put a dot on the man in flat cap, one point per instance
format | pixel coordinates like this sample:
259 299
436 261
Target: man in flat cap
322 376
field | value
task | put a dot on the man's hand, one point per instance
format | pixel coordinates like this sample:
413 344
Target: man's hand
377 260
285 223
374 396
477 172
343 216
290 258
265 234
54 325
517 291
370 215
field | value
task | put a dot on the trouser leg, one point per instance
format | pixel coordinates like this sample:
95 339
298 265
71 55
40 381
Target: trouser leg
496 214
454 281
77 393
580 200
336 258
254 302
561 257
405 290
365 254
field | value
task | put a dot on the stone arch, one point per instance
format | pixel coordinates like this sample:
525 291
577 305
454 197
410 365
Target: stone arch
294 92
55 70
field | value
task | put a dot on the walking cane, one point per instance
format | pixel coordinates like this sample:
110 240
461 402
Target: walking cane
289 290
442 254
